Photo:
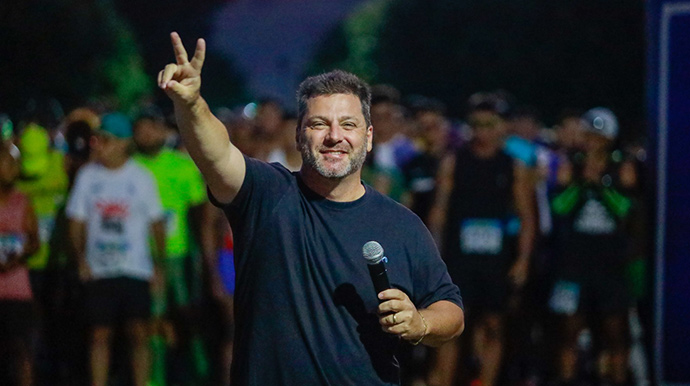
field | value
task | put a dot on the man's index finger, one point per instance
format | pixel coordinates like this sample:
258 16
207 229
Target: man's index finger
178 47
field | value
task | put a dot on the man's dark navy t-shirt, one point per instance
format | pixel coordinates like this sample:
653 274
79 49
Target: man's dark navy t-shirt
305 305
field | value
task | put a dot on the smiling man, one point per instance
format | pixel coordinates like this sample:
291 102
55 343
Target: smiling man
306 309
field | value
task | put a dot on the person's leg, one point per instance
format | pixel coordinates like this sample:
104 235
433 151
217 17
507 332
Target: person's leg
138 335
161 336
567 355
177 280
615 348
135 297
101 308
100 354
488 346
444 366
225 309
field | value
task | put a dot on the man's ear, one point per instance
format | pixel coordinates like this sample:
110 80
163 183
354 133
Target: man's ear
370 138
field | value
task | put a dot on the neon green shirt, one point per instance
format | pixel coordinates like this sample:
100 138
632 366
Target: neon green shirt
47 193
180 187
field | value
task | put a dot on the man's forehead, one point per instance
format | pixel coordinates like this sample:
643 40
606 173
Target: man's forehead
342 104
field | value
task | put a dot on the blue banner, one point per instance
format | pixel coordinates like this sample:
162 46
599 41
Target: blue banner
669 112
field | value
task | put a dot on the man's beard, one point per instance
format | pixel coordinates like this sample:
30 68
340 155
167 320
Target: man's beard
312 159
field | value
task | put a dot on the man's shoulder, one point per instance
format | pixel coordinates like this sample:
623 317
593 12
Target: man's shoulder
270 171
89 170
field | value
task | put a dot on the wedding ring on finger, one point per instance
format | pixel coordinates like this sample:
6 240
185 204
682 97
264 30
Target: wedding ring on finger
394 321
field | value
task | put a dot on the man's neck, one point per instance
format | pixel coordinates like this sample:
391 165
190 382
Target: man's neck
485 150
115 163
344 189
151 153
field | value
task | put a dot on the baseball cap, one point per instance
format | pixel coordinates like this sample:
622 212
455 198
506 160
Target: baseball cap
602 121
117 125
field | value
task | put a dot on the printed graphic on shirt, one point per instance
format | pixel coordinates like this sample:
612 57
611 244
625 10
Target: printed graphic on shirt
594 219
481 236
565 298
45 227
170 222
113 216
111 246
110 254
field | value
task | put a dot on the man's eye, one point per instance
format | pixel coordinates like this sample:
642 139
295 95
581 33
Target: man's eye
318 125
349 125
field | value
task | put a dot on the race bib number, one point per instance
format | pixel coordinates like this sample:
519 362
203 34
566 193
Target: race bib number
565 298
481 236
11 244
170 222
45 228
109 255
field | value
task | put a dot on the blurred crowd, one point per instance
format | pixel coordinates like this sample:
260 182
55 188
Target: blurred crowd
543 227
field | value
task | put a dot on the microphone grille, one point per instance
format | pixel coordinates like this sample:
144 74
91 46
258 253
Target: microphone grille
372 252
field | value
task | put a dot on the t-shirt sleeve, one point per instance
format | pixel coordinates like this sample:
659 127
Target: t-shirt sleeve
76 208
431 280
263 186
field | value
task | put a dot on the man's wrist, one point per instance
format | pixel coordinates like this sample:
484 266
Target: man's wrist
424 332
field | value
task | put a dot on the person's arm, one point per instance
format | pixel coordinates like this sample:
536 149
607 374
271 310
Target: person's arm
157 230
209 237
77 238
444 185
432 326
204 136
523 194
158 233
33 242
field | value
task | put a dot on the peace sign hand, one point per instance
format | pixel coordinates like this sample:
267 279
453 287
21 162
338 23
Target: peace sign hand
182 80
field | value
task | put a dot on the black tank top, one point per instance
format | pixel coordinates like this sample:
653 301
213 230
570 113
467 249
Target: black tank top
482 190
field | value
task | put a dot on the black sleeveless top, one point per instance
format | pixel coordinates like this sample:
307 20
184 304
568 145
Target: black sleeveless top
481 200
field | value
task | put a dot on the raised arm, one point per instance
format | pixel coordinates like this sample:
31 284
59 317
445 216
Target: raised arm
204 136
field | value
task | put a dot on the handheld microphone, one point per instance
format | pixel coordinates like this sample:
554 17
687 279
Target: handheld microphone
376 262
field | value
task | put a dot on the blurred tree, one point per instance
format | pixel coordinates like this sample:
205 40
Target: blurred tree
548 54
71 50
351 45
153 20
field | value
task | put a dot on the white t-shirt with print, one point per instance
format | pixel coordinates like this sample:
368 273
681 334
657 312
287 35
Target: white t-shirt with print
118 207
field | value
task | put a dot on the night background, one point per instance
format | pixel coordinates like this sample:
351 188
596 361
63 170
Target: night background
575 54
626 55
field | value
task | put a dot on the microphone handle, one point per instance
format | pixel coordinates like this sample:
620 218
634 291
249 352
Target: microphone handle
379 276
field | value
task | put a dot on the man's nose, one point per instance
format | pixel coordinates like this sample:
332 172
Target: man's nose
335 133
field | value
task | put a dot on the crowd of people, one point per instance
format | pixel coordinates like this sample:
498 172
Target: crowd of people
542 229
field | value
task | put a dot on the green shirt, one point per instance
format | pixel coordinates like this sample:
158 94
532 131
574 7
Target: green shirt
47 193
180 187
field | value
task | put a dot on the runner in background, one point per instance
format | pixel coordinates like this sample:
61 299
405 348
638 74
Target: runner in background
589 297
480 189
182 193
18 240
112 209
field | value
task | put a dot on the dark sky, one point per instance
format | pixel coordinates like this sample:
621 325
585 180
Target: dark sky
272 41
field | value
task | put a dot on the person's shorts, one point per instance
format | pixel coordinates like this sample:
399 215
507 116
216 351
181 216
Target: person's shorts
109 301
17 318
594 292
483 291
